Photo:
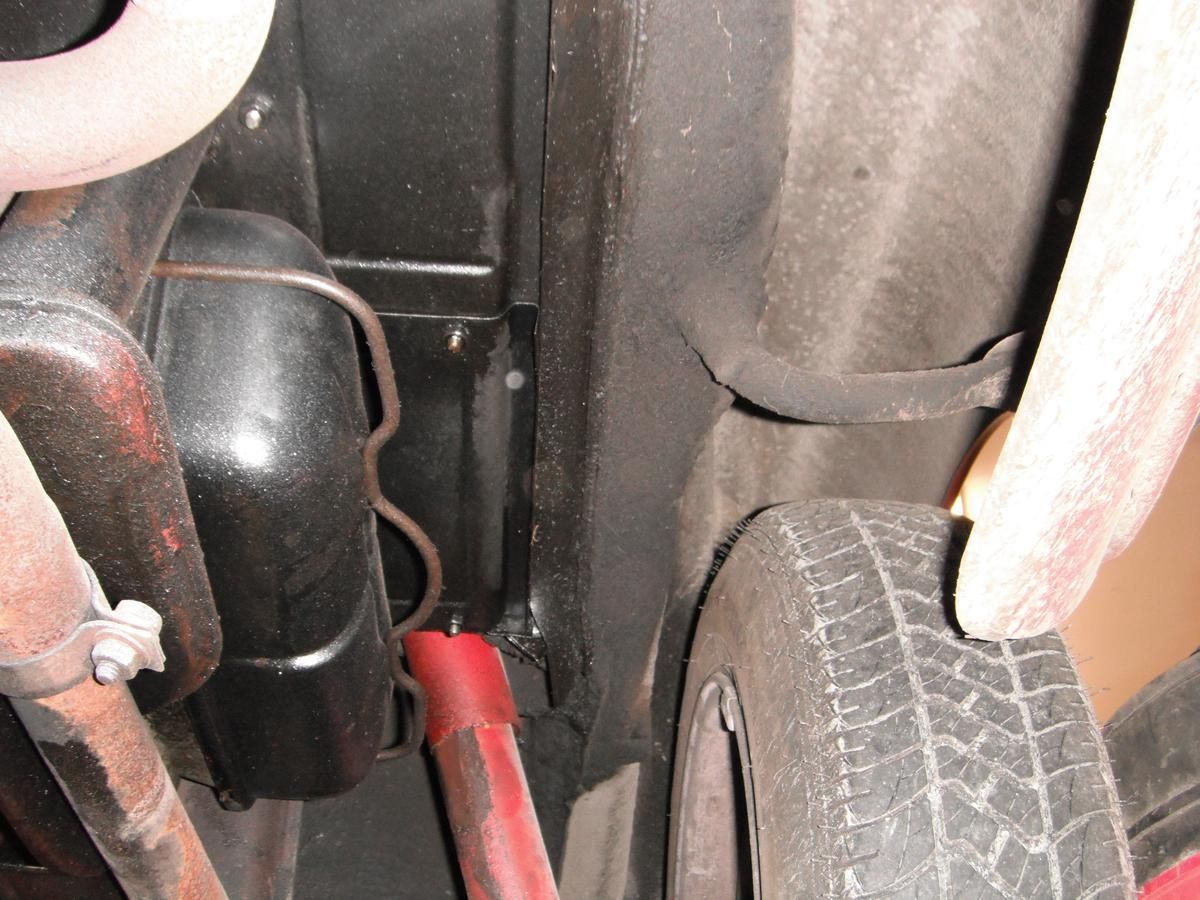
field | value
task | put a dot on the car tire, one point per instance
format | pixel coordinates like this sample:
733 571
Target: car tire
1154 741
840 738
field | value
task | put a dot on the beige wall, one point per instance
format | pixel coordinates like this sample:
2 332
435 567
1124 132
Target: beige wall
1143 613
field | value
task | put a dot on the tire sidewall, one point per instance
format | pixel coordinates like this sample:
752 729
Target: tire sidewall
748 604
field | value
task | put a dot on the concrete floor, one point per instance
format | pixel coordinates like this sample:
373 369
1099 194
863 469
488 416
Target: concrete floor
386 838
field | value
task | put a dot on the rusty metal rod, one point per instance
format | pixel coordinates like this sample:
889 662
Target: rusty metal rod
44 588
92 737
102 754
389 401
471 731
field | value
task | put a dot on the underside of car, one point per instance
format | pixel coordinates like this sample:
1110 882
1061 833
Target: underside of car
508 451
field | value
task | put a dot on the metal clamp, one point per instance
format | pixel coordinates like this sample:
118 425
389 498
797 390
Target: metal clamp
110 644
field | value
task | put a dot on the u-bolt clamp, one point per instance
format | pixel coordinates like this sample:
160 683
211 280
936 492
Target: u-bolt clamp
109 644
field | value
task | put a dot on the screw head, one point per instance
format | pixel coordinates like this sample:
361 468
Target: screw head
456 342
455 627
253 117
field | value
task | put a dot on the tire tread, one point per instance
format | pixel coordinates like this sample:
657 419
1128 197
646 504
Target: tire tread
963 768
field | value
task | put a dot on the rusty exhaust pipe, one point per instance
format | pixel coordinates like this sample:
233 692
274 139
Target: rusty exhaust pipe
53 621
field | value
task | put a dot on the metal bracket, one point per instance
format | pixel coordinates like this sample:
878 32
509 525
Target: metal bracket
109 644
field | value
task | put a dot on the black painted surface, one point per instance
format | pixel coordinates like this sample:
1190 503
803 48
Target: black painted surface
263 386
683 138
429 136
272 168
460 464
406 140
34 30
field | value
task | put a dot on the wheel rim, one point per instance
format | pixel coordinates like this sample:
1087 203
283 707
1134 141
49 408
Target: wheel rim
716 847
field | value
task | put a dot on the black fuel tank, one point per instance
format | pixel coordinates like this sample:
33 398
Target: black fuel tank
264 391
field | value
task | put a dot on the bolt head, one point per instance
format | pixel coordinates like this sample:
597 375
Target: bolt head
253 118
456 342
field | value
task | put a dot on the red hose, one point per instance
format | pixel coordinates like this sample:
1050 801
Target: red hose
470 728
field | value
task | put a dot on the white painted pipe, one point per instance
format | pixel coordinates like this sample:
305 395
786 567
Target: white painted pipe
159 75
1115 387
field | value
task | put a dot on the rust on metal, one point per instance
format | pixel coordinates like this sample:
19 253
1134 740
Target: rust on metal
496 834
92 737
38 561
470 728
88 407
389 401
36 810
1114 388
99 239
49 213
88 404
102 754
